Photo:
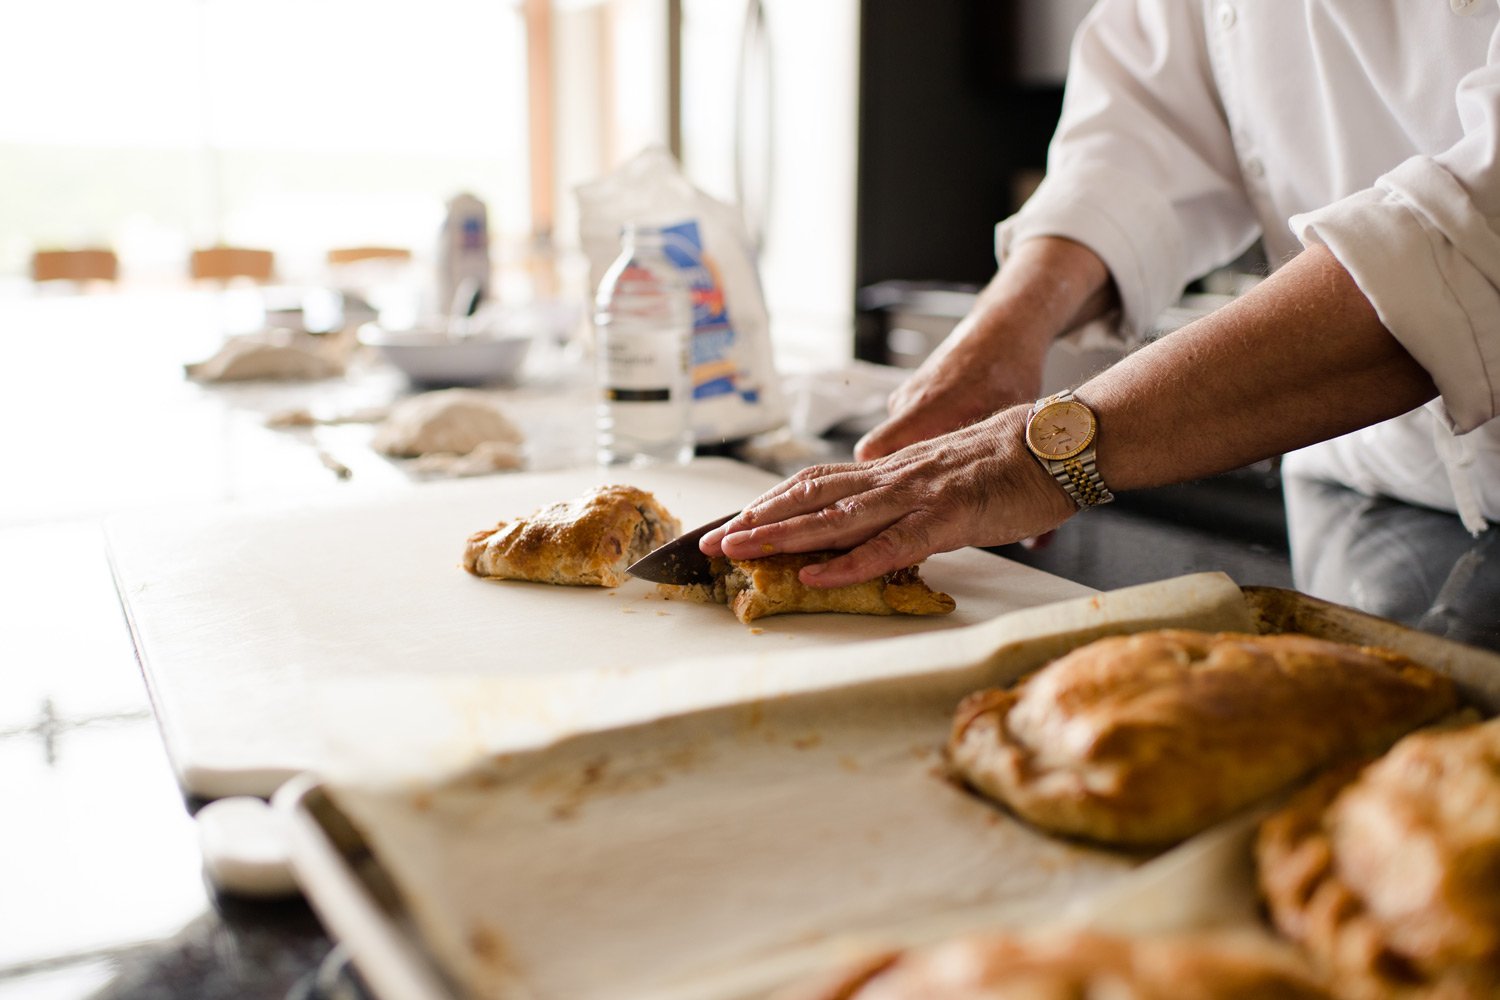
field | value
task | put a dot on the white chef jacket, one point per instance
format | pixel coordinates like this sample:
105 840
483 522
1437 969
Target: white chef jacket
1190 127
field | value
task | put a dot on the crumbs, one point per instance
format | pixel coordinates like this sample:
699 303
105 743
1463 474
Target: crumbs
757 631
486 944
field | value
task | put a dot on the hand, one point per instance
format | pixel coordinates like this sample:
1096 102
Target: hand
975 486
995 356
966 379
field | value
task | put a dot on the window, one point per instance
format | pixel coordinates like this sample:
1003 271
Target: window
296 125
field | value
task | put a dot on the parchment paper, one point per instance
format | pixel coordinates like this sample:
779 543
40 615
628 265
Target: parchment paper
714 842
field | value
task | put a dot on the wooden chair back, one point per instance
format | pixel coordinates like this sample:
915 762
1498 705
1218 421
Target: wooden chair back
225 263
75 265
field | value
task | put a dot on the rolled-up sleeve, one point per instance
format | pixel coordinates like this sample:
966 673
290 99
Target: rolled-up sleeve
1141 169
1423 244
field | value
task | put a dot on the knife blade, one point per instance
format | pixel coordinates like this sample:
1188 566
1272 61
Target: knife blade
679 561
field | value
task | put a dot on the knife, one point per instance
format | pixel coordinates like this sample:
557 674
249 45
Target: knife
679 561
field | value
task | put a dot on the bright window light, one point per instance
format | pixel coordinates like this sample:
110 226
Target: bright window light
296 125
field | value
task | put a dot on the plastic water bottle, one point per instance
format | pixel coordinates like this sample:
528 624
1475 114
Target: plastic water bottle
643 318
463 251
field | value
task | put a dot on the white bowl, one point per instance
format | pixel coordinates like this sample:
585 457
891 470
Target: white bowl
432 357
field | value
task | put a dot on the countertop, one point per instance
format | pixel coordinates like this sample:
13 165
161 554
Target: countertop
102 888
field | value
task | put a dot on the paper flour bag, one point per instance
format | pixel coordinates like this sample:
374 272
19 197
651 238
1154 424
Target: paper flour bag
735 389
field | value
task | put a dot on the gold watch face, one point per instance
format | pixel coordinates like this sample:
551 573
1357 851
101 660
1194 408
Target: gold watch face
1060 430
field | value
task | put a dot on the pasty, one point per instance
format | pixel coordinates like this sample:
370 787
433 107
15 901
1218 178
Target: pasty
757 588
1145 739
1073 966
589 541
449 421
1390 877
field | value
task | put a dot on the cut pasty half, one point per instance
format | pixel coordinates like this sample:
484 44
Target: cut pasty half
1390 876
1145 739
757 588
588 541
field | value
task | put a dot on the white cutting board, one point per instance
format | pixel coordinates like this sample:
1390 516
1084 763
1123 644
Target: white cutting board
235 608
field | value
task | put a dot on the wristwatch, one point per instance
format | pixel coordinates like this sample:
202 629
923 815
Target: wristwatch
1060 432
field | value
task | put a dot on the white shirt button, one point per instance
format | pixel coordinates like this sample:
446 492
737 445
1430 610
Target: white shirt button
1464 7
1254 168
1227 15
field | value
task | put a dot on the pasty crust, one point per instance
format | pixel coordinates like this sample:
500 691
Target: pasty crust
758 588
1072 965
1146 739
1390 877
588 541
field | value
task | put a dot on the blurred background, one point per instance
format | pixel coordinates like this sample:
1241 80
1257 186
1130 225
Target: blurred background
866 141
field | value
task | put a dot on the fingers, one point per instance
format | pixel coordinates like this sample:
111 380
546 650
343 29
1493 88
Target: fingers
810 490
840 525
922 417
902 544
880 442
898 432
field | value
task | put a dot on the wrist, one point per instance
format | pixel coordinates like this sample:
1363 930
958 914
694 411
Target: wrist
1062 434
1026 500
1055 284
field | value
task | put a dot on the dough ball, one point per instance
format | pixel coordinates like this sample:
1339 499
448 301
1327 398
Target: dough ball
449 421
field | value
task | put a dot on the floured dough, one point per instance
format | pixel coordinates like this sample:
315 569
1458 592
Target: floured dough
1075 965
1149 738
1390 877
588 541
272 355
300 416
449 421
291 419
486 458
758 588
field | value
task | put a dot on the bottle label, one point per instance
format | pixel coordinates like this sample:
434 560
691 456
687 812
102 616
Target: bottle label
615 395
643 365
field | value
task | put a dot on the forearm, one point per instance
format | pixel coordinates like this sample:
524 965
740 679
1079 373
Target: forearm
1300 359
994 357
1048 286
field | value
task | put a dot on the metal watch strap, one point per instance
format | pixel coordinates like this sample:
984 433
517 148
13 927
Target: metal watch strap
1076 475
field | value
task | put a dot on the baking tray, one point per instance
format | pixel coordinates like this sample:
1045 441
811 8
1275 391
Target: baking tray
717 844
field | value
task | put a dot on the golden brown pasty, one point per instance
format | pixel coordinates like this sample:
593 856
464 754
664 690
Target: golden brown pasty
1073 966
1390 877
757 588
589 541
1145 739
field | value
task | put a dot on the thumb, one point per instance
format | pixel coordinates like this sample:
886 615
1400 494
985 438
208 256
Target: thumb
888 437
